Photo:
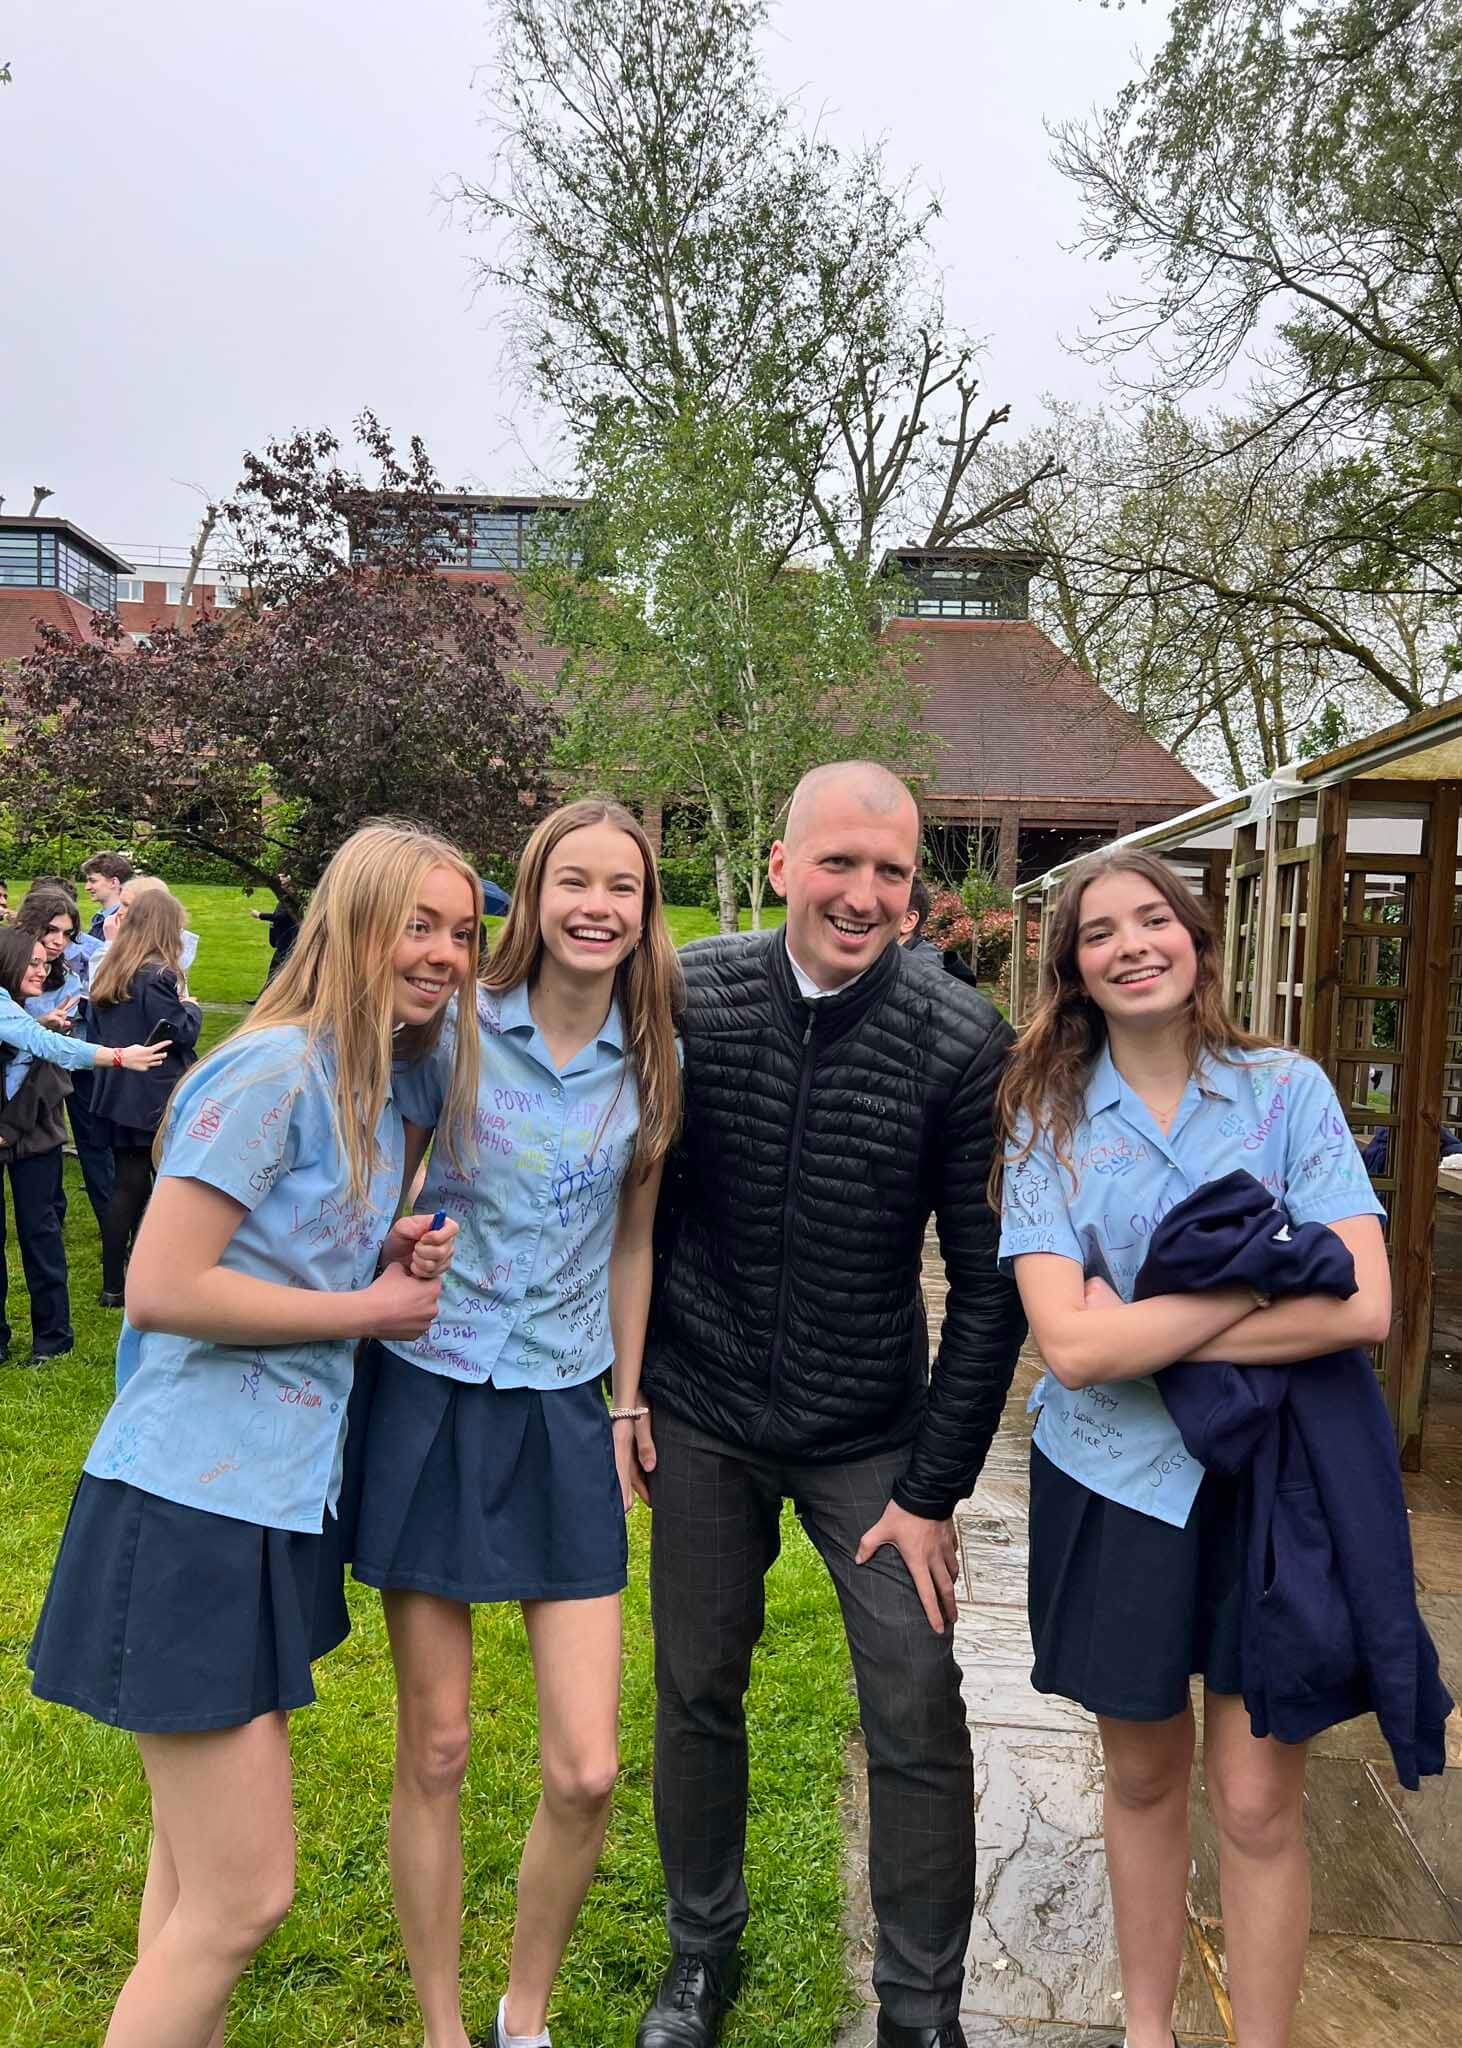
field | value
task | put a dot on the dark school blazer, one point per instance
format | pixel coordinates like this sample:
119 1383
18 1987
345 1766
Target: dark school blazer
1330 1622
137 1101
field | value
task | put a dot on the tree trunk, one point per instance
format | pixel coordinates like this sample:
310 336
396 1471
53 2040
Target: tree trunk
725 872
757 890
729 911
195 563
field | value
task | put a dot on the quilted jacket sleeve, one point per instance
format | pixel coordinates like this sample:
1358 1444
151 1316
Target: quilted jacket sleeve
983 1324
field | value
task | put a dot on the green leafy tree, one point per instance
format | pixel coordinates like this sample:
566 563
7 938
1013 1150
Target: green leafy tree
702 665
690 273
1158 538
1288 183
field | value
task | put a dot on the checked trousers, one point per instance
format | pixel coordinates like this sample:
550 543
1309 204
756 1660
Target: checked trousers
716 1524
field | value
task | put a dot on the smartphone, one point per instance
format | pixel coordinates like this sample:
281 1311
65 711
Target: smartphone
160 1034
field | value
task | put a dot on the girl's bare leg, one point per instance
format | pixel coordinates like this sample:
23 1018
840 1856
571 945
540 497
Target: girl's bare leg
1256 1787
159 1896
1145 1820
576 1662
431 1645
223 1806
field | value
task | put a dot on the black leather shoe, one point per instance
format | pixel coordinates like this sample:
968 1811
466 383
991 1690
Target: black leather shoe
892 2035
691 2003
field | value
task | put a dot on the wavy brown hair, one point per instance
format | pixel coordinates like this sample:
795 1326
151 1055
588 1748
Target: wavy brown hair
151 935
647 982
1045 1079
38 913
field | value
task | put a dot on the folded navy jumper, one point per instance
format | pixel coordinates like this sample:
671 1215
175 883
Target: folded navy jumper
1330 1622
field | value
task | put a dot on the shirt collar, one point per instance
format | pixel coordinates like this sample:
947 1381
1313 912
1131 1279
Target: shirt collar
514 1014
1105 1085
807 988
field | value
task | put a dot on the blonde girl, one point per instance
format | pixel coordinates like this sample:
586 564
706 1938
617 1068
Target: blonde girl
201 1569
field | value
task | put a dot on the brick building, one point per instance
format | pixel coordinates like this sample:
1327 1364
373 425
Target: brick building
1034 764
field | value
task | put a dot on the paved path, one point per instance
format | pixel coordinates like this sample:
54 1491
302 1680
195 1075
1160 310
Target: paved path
1385 1967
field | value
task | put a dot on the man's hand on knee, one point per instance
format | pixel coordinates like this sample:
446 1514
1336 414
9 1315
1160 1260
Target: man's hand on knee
928 1549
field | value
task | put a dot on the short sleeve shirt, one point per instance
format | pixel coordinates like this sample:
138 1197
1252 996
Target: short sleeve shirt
525 1302
256 1432
1272 1113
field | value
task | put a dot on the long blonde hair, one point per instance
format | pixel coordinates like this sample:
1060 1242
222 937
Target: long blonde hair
1045 1080
648 982
151 935
337 983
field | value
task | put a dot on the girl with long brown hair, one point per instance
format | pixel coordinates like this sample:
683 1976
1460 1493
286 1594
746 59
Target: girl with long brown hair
201 1571
1130 1088
137 992
487 1464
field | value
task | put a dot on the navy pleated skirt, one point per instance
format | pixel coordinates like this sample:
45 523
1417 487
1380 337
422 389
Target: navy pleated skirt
478 1493
1125 1609
163 1618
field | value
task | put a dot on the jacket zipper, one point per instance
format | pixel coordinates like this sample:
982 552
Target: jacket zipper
794 1148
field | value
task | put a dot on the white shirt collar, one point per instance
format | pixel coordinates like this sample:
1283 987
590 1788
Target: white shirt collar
808 988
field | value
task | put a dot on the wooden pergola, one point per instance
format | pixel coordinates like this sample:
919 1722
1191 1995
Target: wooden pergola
1336 884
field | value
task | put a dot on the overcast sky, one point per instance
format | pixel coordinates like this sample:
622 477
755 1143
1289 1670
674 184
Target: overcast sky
221 224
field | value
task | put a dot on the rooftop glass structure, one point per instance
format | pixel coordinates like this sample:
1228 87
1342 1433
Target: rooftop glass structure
963 583
52 554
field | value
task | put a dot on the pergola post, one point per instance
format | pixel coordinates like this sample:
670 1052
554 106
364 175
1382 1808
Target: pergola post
1417 1190
1324 931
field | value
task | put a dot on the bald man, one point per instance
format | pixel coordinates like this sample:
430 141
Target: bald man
838 1092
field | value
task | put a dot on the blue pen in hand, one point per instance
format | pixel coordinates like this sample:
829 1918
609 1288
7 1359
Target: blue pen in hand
439 1219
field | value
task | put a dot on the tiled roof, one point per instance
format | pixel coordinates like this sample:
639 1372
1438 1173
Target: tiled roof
1019 720
20 609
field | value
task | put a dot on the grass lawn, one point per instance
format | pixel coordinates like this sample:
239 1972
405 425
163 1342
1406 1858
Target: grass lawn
74 1828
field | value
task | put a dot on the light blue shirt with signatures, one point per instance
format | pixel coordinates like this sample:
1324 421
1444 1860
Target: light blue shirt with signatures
525 1302
248 1431
1272 1113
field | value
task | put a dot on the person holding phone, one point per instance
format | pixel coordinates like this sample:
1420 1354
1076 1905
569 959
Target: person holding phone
138 991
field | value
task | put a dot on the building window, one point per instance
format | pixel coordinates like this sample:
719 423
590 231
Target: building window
977 592
131 590
175 594
20 560
225 597
48 561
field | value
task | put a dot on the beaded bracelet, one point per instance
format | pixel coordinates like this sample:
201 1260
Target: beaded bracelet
627 1414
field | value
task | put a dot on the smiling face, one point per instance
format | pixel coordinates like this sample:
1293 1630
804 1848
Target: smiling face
1134 954
591 909
432 955
845 870
33 981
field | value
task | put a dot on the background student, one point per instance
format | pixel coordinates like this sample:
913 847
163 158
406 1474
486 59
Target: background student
489 1467
32 1131
51 916
1130 1088
137 992
200 1572
132 888
102 877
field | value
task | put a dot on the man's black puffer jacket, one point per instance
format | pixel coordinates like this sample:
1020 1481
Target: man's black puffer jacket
818 1138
